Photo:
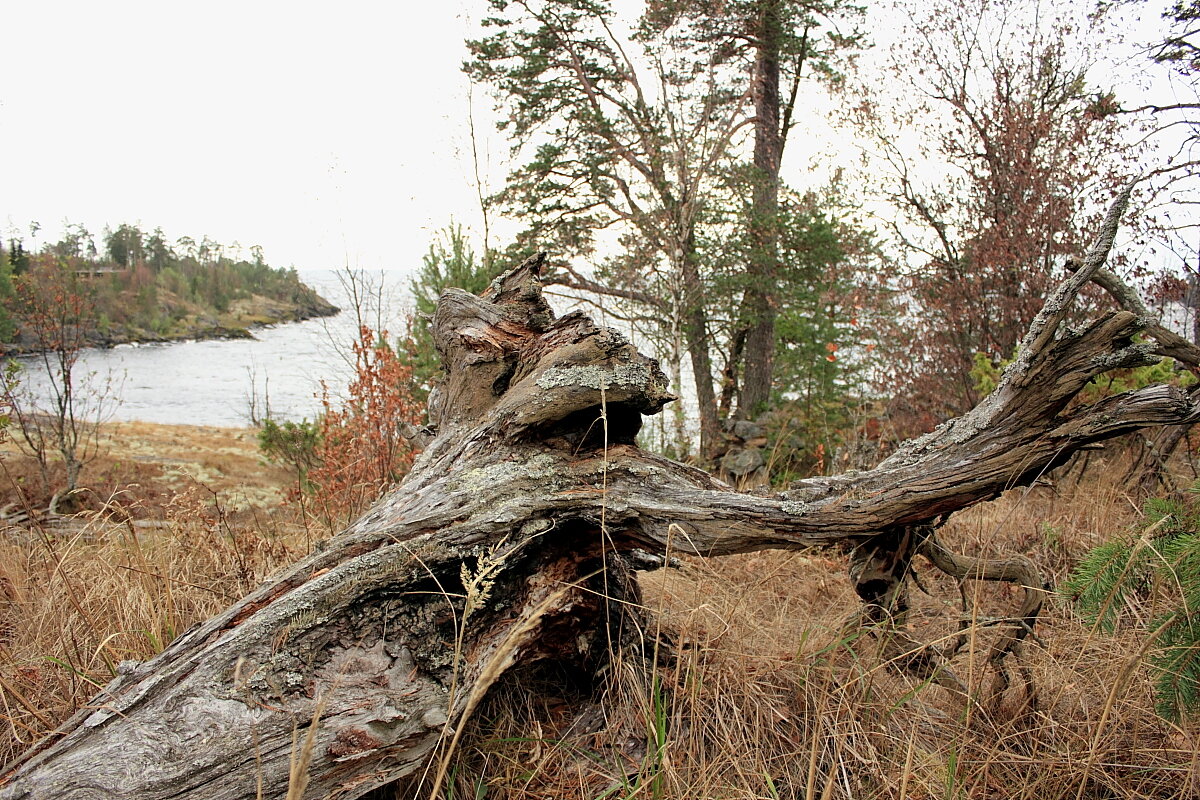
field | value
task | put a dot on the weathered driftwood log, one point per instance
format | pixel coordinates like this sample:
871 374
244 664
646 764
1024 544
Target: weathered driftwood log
353 668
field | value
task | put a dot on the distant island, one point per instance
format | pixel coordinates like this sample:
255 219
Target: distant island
141 288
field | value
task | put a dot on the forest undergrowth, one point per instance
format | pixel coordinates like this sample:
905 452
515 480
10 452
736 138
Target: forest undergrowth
759 692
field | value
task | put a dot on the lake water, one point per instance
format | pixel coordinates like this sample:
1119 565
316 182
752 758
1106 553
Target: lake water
212 382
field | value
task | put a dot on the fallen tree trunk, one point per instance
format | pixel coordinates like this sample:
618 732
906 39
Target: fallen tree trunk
502 548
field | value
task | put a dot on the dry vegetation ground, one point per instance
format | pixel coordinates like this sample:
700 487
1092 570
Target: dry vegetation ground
761 694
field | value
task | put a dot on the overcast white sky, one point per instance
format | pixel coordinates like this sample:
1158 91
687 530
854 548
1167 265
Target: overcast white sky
329 134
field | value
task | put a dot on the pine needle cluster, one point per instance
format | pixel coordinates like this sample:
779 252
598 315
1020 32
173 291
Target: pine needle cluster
1154 567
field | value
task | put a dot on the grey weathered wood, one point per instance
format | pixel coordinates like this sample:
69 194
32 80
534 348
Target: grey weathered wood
491 553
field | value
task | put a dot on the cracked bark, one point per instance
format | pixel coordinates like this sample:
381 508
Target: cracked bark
499 546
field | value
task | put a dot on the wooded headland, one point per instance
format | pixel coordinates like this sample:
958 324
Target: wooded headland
140 288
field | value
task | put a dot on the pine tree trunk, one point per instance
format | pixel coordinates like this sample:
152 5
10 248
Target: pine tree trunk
760 302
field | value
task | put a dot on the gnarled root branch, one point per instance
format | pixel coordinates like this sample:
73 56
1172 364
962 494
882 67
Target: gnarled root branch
880 569
1016 569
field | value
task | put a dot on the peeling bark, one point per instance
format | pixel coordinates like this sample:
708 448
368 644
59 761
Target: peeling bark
503 541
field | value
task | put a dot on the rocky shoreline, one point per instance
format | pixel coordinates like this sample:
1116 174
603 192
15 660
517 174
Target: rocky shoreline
237 323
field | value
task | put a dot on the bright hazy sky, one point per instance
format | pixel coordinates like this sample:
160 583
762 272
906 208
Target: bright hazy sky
330 134
327 133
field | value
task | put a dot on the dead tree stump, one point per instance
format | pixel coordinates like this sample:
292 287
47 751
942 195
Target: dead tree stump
349 670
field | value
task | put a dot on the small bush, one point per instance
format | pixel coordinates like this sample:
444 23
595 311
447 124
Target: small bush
362 450
294 445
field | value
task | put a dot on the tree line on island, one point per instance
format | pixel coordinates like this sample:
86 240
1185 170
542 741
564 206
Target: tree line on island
67 295
137 286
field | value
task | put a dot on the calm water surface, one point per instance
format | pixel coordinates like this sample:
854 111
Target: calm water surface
212 382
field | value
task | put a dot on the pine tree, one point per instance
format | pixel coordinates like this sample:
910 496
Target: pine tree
633 138
450 262
1158 564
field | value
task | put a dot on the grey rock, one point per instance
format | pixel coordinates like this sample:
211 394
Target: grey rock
742 462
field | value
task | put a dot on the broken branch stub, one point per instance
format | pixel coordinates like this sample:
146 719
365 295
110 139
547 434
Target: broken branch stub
507 358
491 555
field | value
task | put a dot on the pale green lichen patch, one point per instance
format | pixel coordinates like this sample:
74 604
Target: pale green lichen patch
794 508
596 376
500 474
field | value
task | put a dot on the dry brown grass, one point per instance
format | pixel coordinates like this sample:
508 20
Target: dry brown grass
143 465
762 696
164 542
225 460
74 605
